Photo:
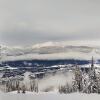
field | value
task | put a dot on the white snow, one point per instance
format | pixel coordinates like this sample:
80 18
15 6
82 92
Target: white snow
49 96
89 65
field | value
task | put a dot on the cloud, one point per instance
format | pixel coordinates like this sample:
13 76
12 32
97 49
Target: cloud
28 21
82 50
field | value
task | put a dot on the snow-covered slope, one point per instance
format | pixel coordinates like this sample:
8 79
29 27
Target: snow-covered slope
49 96
52 50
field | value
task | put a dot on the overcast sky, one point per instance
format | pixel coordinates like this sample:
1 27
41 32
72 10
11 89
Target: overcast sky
25 22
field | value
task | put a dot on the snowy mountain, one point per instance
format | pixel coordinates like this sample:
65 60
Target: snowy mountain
52 50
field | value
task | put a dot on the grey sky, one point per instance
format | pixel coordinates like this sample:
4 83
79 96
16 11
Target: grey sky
31 21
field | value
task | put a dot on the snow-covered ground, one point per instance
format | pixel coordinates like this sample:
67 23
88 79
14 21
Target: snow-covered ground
48 96
51 95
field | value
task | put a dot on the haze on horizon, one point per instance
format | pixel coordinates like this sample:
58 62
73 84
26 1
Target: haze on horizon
25 22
